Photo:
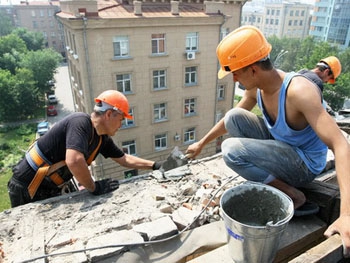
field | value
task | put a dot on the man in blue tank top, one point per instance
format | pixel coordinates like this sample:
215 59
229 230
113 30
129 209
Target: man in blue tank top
287 147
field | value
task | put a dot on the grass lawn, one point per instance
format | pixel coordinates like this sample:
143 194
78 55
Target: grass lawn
13 144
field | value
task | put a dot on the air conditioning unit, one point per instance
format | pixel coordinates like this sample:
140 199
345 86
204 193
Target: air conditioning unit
191 55
177 137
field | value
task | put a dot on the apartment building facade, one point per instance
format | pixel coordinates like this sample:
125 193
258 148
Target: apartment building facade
161 55
40 17
331 22
280 18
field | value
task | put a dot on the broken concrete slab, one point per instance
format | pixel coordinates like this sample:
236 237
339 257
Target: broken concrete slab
158 229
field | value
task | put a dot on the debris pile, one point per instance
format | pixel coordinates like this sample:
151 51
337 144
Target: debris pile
144 209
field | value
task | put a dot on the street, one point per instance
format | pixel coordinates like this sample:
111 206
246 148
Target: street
63 92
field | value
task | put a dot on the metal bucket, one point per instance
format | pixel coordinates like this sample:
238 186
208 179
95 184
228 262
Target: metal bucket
255 217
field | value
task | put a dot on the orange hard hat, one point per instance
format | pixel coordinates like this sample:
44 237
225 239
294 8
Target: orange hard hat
242 47
114 100
334 64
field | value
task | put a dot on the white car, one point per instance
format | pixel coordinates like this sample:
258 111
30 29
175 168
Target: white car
52 99
43 128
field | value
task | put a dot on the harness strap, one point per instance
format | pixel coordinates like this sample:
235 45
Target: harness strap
44 168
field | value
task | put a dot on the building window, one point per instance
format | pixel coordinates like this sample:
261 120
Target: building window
42 13
160 142
191 76
190 107
221 92
159 79
158 43
35 24
224 32
45 35
124 83
189 135
218 117
33 13
53 34
127 123
277 12
291 13
121 46
160 112
129 147
49 12
192 41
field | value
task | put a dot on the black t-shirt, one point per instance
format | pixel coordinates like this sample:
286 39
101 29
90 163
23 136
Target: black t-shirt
73 132
313 77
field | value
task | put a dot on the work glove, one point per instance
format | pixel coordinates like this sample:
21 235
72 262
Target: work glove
105 186
157 165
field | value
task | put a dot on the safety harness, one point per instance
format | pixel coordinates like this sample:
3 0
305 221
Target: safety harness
44 167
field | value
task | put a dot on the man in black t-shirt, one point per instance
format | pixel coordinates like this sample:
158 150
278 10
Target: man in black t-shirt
326 71
67 150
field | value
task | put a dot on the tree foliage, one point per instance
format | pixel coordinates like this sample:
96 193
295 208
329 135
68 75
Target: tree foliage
43 64
25 69
34 40
307 53
5 23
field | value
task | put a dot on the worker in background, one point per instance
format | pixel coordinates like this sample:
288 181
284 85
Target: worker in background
326 71
286 147
67 150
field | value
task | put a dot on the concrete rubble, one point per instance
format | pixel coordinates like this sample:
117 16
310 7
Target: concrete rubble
153 217
147 208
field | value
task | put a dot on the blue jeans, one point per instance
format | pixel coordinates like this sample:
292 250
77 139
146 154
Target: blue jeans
255 155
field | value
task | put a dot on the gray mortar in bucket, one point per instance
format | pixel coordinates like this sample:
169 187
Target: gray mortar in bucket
255 207
255 217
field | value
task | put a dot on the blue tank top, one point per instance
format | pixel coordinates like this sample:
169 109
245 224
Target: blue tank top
305 142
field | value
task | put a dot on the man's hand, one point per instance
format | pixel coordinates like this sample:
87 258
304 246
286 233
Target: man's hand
342 227
105 186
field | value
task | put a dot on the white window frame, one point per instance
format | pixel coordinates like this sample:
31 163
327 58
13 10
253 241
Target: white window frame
121 46
160 141
127 123
123 82
129 147
192 41
224 32
190 135
221 92
158 44
190 106
159 79
160 112
191 76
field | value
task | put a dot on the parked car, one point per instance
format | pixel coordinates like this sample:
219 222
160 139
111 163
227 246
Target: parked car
43 127
52 99
51 110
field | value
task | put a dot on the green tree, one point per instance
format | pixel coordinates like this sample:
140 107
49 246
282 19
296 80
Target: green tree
8 103
11 46
34 40
5 24
19 97
43 64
